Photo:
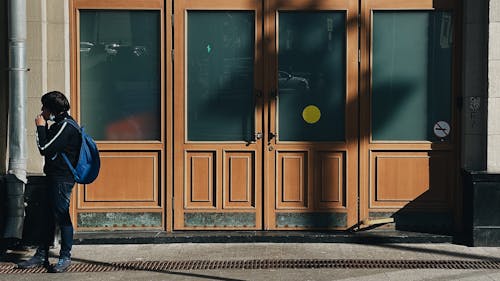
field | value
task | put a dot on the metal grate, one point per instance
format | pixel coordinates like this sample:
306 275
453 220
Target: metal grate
162 266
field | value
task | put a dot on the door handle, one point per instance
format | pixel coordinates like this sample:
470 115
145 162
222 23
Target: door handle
258 94
256 136
272 136
274 93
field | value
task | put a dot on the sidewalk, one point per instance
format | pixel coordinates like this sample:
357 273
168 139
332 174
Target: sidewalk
106 254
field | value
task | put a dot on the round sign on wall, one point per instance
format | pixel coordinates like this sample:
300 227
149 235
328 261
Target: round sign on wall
441 129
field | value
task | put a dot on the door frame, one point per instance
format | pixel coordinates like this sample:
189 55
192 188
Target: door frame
182 144
367 145
159 149
359 94
349 149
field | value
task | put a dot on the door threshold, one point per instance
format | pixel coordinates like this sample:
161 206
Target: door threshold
160 237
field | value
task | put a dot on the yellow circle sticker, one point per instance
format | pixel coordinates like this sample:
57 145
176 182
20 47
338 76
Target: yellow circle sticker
311 114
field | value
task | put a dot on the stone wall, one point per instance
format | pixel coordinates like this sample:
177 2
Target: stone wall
493 139
48 59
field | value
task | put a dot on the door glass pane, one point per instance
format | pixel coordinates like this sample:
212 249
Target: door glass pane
220 82
411 73
311 76
120 74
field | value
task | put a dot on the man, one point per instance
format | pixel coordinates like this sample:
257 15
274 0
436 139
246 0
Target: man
52 141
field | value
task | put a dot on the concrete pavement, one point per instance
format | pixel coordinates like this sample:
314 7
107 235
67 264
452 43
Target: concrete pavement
256 251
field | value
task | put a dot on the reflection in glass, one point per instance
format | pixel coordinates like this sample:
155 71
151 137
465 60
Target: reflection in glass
411 73
220 80
120 74
311 76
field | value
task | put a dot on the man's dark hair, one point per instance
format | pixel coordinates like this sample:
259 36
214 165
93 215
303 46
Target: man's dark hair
55 102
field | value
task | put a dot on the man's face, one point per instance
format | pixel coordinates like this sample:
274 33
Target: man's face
45 113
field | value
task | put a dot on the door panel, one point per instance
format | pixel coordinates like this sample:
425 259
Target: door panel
419 172
311 134
292 180
239 180
137 177
408 82
220 82
412 75
106 79
200 180
218 118
331 176
311 75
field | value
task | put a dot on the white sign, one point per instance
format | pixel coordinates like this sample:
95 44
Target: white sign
442 129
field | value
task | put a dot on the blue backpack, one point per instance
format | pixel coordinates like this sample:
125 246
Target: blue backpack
87 167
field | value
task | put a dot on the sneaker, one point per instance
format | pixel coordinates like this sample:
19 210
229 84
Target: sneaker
61 266
39 259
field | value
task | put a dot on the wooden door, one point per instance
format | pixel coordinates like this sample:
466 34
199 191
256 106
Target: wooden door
118 95
218 114
311 140
409 124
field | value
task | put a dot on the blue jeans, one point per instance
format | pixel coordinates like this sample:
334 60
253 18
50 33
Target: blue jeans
59 194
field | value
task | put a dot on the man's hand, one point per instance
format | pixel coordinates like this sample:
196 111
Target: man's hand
40 121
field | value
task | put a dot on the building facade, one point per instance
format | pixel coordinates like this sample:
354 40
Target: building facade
268 114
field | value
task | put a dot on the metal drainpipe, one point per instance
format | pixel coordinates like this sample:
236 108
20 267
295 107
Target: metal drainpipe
16 178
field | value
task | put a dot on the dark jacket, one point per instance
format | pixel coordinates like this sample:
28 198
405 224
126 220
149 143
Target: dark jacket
51 141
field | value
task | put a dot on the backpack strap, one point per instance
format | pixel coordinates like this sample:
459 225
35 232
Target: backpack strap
66 159
73 123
